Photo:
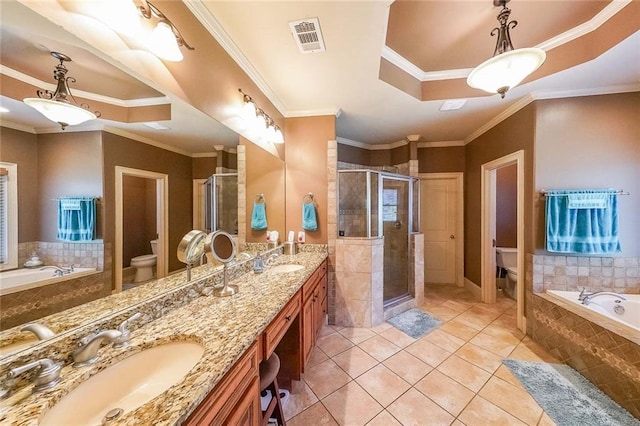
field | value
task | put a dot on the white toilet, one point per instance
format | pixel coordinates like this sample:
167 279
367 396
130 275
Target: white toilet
144 264
507 258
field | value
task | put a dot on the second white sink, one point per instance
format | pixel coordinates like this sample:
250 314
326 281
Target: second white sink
286 268
125 386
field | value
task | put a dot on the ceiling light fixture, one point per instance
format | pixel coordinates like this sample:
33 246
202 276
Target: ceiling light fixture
260 121
165 39
60 106
508 67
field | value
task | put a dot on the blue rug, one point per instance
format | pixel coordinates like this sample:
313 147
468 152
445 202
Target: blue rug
567 397
414 323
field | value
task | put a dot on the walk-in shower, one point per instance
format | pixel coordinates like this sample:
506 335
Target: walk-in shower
221 203
374 204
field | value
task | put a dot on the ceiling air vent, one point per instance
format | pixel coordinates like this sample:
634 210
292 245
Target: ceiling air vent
307 35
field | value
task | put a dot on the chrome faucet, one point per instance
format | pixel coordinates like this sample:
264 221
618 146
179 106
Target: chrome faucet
59 271
87 351
587 298
42 332
47 376
125 334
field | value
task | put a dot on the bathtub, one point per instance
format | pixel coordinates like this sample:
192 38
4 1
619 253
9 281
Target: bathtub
629 316
24 279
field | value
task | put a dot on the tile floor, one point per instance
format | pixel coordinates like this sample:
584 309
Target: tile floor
451 376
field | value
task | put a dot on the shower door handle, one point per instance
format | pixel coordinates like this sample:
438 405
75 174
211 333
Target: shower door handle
397 225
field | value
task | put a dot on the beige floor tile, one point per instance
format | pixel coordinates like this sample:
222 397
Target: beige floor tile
383 384
316 357
300 398
397 337
472 320
442 313
428 352
316 415
457 423
528 350
446 392
352 405
407 366
445 340
381 327
515 401
355 361
545 420
480 357
509 335
327 330
379 348
464 372
459 329
384 419
334 343
482 412
415 409
325 378
357 334
457 306
505 374
493 344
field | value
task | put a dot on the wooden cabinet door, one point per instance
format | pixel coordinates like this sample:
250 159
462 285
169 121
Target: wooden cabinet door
308 333
247 411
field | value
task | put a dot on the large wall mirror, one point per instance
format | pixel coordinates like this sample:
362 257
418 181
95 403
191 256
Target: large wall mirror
53 164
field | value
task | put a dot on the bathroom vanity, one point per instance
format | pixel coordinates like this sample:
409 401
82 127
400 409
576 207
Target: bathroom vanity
281 310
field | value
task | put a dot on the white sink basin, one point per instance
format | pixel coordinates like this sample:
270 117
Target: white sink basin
286 268
126 385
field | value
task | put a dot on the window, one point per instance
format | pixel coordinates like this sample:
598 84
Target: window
390 205
8 216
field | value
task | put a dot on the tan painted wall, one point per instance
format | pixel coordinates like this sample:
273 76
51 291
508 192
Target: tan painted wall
69 164
120 151
203 167
265 175
591 142
21 148
513 134
506 206
306 157
441 159
373 157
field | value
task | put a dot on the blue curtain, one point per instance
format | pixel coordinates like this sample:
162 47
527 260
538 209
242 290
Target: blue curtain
584 221
76 218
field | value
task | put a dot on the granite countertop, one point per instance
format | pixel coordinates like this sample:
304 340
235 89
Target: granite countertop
225 327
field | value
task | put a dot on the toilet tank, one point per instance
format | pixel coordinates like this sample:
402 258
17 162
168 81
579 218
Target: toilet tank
506 257
154 246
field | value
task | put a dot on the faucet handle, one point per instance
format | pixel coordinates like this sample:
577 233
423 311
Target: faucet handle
47 377
123 340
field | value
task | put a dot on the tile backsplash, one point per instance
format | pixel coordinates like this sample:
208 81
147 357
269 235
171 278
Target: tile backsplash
81 254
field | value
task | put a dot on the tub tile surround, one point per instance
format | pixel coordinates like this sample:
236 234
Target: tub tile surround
88 254
226 327
602 355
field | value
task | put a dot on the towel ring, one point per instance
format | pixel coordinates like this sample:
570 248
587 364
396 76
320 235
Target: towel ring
308 198
259 198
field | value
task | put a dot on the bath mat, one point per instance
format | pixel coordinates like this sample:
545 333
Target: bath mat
414 323
567 397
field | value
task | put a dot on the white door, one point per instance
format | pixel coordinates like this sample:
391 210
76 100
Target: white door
438 215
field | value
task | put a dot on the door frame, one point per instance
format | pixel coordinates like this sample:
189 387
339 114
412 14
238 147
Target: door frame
488 221
162 220
459 179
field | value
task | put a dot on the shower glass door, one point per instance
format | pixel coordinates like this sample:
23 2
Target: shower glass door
396 228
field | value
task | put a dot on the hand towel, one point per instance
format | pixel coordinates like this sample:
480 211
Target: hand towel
309 221
581 230
259 217
76 218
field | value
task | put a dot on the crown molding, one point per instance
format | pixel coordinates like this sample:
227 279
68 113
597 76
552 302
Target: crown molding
440 144
17 126
204 155
209 21
508 112
148 141
377 147
337 112
160 100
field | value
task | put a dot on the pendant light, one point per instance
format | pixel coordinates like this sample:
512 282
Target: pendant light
508 66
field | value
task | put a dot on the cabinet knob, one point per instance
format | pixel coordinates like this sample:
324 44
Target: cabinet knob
288 317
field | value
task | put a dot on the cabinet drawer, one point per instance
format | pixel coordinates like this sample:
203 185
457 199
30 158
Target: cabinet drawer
309 287
223 399
279 326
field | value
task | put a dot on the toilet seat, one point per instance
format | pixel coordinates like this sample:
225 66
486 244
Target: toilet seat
144 258
512 269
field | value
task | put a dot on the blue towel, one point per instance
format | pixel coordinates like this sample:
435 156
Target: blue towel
259 217
309 221
580 229
76 218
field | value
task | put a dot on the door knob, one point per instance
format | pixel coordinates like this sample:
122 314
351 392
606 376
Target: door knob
453 237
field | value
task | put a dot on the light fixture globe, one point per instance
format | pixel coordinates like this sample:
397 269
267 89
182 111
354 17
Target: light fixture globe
500 73
163 43
508 66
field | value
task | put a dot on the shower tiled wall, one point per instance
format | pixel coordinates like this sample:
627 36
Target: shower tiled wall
81 254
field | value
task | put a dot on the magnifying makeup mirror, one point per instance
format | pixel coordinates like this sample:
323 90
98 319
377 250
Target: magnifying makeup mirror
191 249
221 246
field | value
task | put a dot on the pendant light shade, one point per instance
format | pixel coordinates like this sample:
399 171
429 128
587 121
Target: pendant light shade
60 106
163 43
508 66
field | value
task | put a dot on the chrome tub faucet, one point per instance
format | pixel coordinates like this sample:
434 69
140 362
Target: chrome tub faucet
590 296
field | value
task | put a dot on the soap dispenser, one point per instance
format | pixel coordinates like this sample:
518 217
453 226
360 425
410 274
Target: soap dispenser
258 264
